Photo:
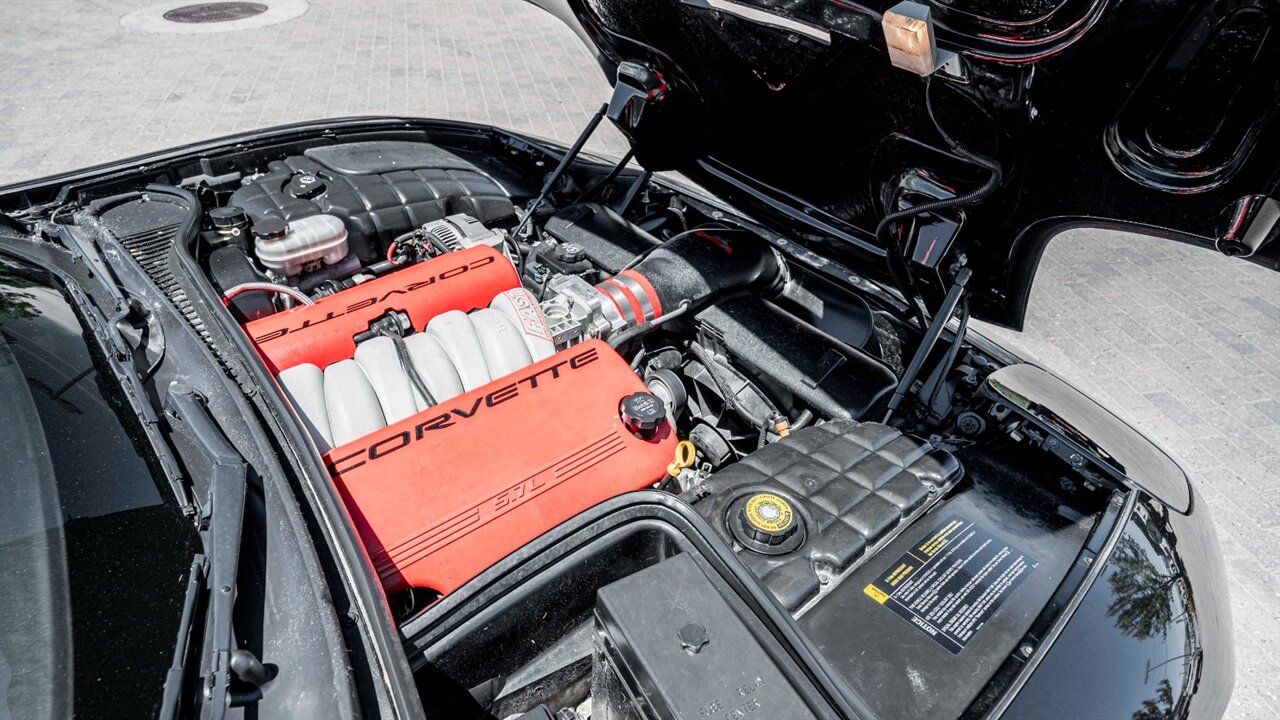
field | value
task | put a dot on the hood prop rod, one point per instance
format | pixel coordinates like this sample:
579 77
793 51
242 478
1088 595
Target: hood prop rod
954 295
636 86
568 158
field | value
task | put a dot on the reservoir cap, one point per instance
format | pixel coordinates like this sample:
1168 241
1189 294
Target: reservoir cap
767 523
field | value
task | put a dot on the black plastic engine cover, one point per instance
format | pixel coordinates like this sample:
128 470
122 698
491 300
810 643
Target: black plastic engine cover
851 485
606 238
379 189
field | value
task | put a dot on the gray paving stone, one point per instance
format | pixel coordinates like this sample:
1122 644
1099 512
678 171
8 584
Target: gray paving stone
1181 342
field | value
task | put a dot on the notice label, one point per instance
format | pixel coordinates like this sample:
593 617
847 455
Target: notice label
951 582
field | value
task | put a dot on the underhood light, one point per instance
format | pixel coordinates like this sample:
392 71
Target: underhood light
908 32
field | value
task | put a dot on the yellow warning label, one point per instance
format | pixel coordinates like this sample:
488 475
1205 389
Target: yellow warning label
769 512
876 593
899 573
939 540
952 582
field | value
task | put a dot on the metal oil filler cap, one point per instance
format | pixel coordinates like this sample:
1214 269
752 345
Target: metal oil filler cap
767 523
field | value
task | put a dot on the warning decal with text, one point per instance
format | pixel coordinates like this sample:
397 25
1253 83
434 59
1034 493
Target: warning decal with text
951 582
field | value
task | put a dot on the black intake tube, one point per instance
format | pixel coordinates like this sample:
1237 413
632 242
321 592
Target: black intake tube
705 264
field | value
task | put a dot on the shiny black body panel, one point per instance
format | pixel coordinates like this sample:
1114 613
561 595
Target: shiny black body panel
1081 429
1152 638
1153 116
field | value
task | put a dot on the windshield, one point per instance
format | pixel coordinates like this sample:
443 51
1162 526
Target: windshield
94 551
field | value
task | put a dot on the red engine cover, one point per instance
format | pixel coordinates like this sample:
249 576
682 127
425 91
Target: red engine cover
443 495
323 333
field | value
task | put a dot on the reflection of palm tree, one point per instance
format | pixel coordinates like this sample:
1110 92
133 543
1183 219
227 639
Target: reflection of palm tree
1159 707
1142 606
14 304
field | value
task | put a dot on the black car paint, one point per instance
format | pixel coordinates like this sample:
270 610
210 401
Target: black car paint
1080 428
1161 603
1124 115
297 631
100 617
1199 553
1152 637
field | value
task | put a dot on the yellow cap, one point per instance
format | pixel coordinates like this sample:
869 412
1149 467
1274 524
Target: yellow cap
770 513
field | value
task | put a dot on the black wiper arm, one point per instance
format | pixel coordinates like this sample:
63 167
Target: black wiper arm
175 679
132 385
227 485
87 249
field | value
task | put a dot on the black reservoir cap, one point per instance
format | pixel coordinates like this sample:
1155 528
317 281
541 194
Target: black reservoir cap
306 185
229 217
767 523
768 518
570 252
270 228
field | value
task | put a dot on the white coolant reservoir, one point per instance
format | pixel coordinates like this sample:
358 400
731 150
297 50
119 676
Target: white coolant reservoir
302 244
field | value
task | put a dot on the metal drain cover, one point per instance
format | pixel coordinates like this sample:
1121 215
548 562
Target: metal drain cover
188 17
213 12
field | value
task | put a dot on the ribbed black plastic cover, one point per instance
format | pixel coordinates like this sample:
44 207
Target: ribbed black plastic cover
668 646
379 189
852 485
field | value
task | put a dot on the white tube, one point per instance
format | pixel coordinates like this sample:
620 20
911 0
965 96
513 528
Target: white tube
381 364
304 386
522 308
456 334
504 349
266 287
354 410
434 367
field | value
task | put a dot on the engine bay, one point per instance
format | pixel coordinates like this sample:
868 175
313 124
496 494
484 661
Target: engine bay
478 376
614 451
404 333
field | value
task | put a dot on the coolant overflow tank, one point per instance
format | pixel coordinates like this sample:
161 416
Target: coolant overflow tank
307 242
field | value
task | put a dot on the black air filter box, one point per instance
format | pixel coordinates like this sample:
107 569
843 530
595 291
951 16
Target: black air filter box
668 645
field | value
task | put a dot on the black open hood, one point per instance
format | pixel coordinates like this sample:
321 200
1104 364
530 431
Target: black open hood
1152 115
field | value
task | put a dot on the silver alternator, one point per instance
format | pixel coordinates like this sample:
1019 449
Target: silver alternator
459 232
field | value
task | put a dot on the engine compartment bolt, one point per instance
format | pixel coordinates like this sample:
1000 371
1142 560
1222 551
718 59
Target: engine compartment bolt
693 637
